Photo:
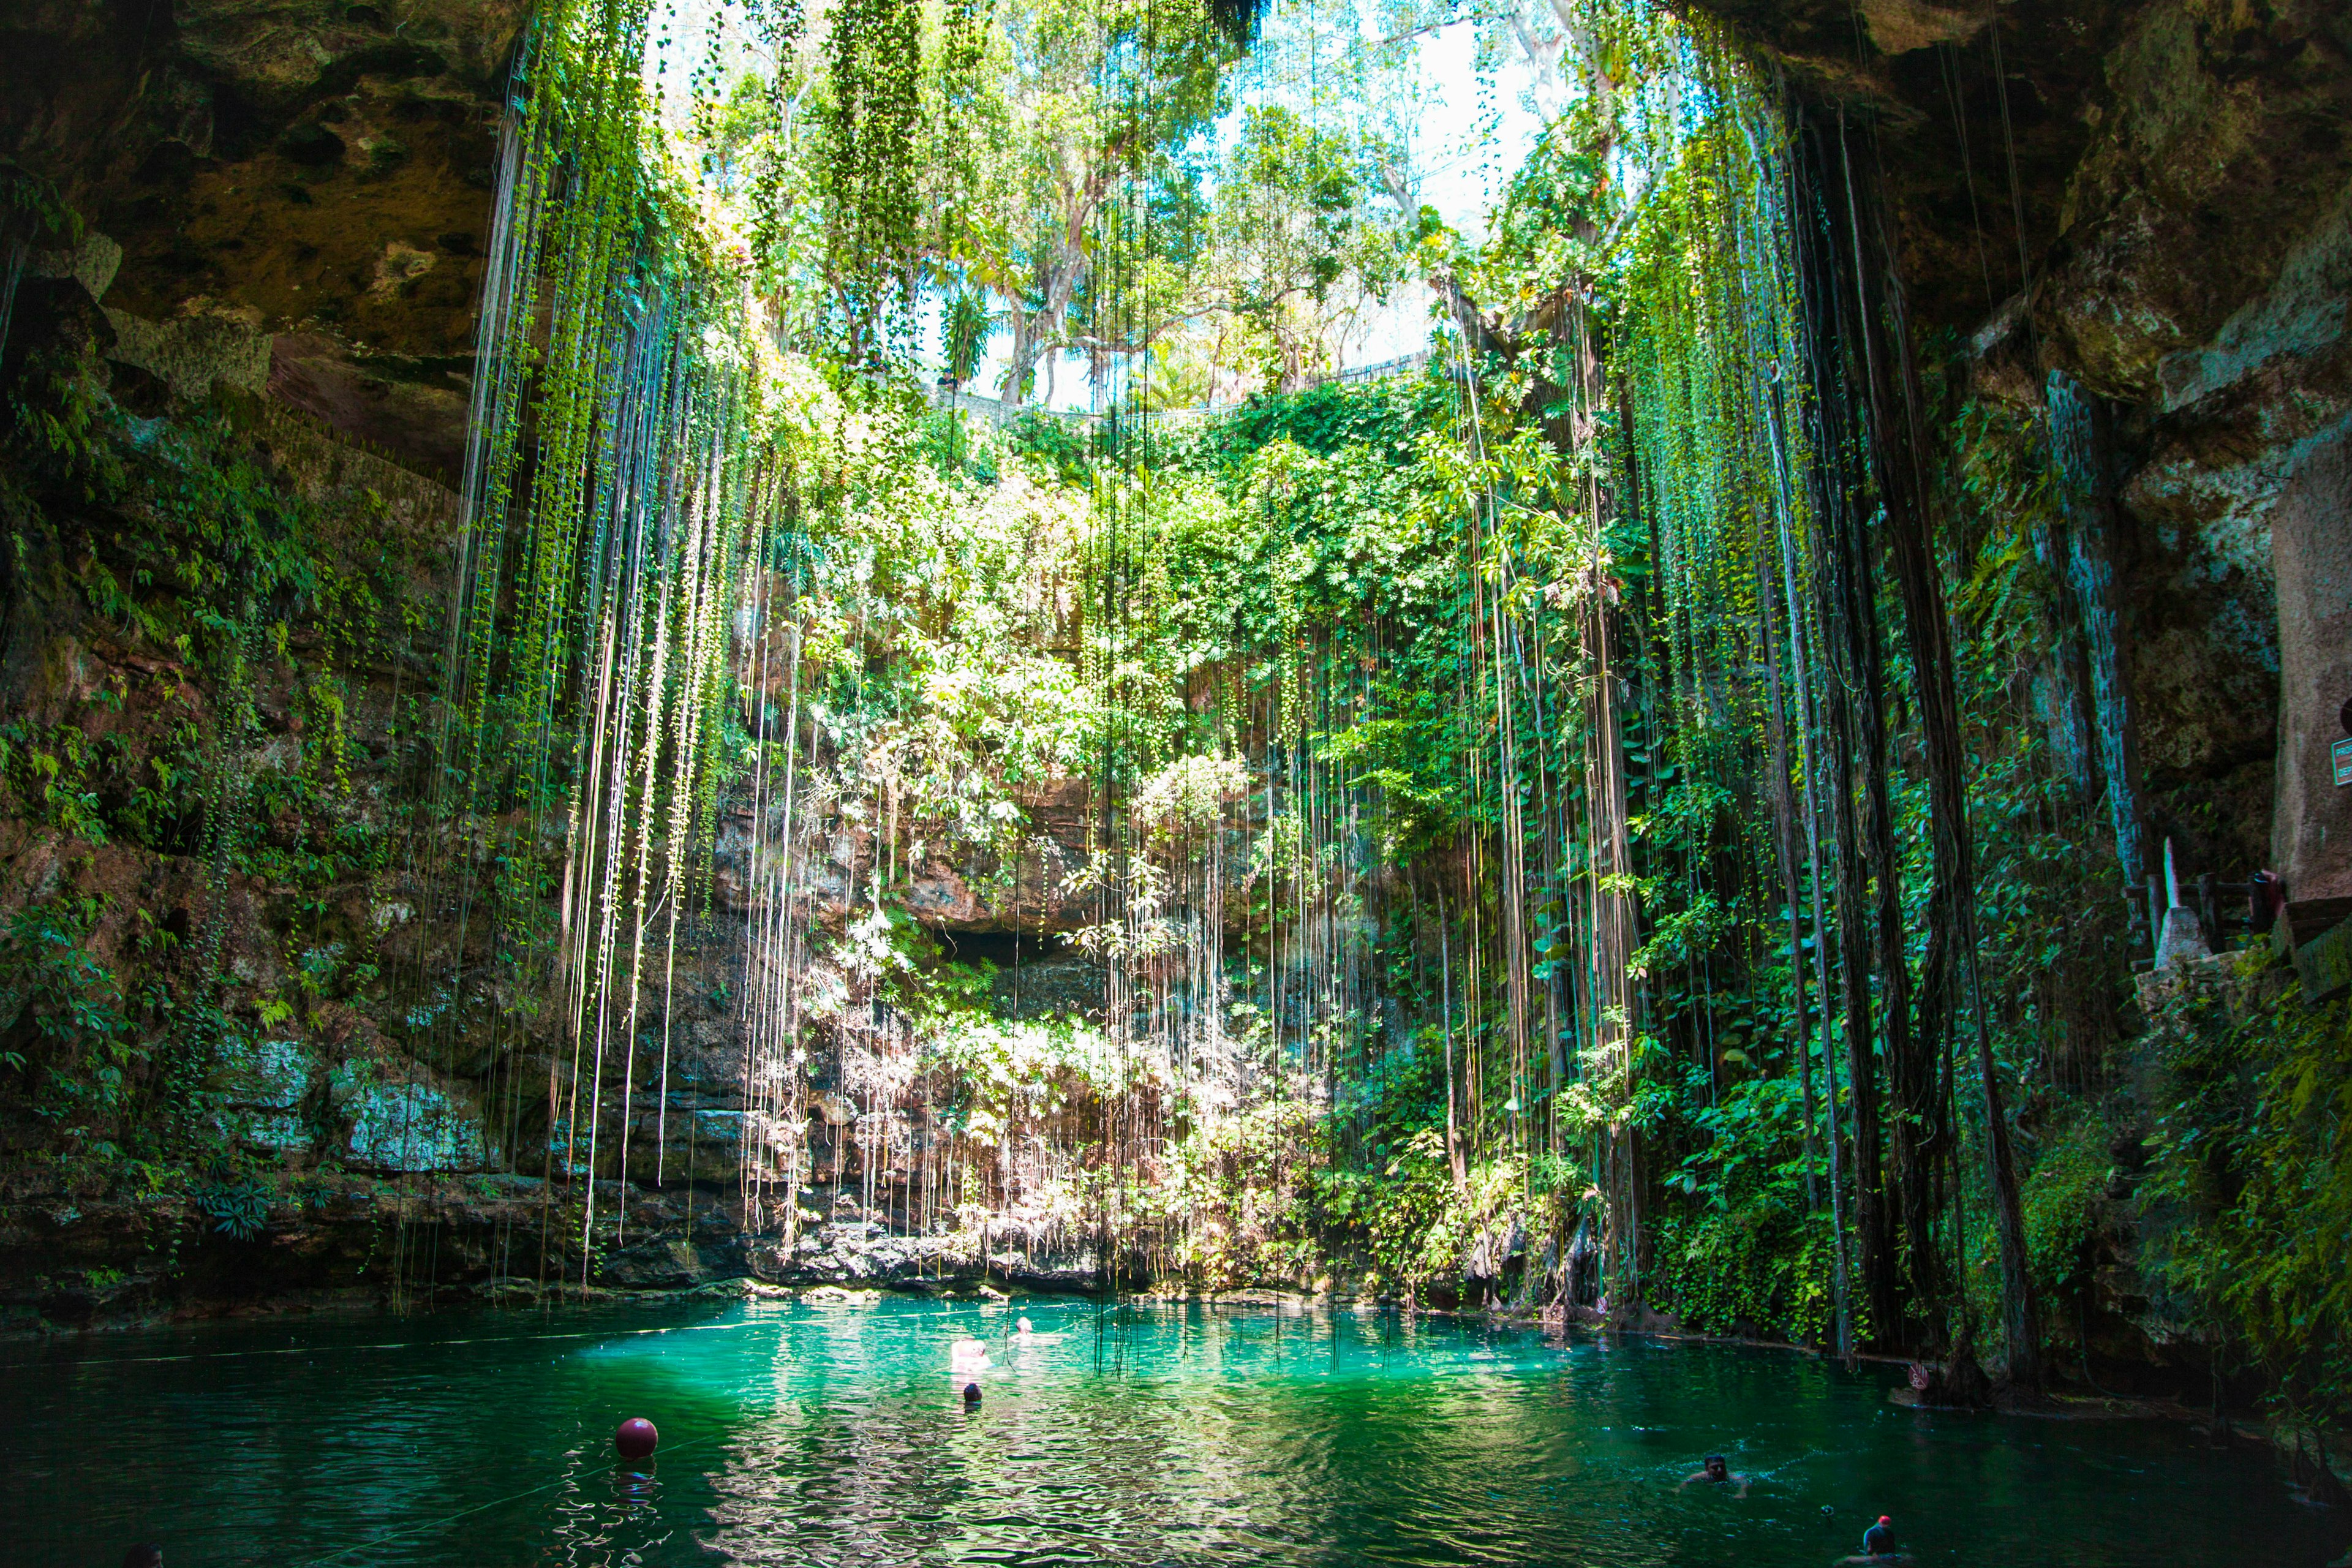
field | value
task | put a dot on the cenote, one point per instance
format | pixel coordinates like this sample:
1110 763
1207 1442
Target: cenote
832 1433
686 684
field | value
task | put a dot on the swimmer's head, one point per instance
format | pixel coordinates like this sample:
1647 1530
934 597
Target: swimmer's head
971 1393
1887 1519
1022 1324
1717 1468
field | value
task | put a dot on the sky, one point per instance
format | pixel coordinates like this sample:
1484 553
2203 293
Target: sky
1469 144
1471 149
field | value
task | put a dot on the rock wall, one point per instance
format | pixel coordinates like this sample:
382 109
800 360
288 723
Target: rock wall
2152 196
297 192
2202 279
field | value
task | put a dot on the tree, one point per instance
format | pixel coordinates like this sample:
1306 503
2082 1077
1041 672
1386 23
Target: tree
1300 238
1095 106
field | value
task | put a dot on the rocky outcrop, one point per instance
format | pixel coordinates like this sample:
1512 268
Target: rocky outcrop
2152 196
297 192
2201 280
2222 142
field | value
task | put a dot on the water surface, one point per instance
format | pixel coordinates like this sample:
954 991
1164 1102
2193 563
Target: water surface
809 1433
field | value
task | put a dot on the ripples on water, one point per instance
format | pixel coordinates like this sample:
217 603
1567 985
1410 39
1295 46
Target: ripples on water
832 1434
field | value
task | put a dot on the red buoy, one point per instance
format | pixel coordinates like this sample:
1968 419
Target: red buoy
636 1438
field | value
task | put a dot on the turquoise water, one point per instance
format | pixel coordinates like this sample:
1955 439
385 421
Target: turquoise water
804 1433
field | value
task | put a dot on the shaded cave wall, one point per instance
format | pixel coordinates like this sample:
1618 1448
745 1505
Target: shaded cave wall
297 192
2150 198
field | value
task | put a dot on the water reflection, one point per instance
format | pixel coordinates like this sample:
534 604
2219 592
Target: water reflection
618 1523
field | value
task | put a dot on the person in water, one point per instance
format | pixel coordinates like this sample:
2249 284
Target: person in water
1718 1470
1878 1548
1025 1333
968 1356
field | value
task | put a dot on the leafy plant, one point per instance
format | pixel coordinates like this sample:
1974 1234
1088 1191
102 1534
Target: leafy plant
238 1210
66 1008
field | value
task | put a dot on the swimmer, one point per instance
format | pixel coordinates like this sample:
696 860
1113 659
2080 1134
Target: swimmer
1878 1547
967 1356
972 1396
146 1555
1023 1333
1718 1470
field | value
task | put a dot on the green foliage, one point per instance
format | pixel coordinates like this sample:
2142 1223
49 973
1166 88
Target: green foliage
1747 1248
992 1063
2062 1205
1759 1267
1236 1185
2249 1196
965 331
1058 445
875 59
48 779
32 208
1746 1142
239 1210
62 1017
66 425
1294 219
